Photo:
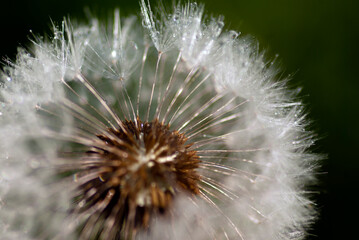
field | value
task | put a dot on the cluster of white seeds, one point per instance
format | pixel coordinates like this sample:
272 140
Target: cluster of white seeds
169 127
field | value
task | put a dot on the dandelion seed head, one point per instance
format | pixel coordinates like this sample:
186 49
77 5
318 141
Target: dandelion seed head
169 128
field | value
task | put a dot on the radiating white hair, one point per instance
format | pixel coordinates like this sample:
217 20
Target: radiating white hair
211 85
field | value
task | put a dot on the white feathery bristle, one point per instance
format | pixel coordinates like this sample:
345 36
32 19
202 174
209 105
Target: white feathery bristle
162 36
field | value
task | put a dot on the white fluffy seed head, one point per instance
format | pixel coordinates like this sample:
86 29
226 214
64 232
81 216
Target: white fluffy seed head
210 86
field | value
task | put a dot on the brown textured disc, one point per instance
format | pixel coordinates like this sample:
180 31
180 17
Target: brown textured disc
142 168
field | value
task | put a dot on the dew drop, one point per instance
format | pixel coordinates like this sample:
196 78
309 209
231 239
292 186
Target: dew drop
144 23
220 24
234 34
113 54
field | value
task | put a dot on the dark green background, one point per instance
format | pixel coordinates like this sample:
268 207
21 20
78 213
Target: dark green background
317 42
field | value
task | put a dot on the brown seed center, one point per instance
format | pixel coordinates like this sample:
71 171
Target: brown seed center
140 167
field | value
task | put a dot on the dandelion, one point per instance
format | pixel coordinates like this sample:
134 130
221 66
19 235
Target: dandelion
169 129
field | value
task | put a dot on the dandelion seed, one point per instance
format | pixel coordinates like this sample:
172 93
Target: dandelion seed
173 129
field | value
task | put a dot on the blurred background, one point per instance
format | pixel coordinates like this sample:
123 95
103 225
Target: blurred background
317 45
